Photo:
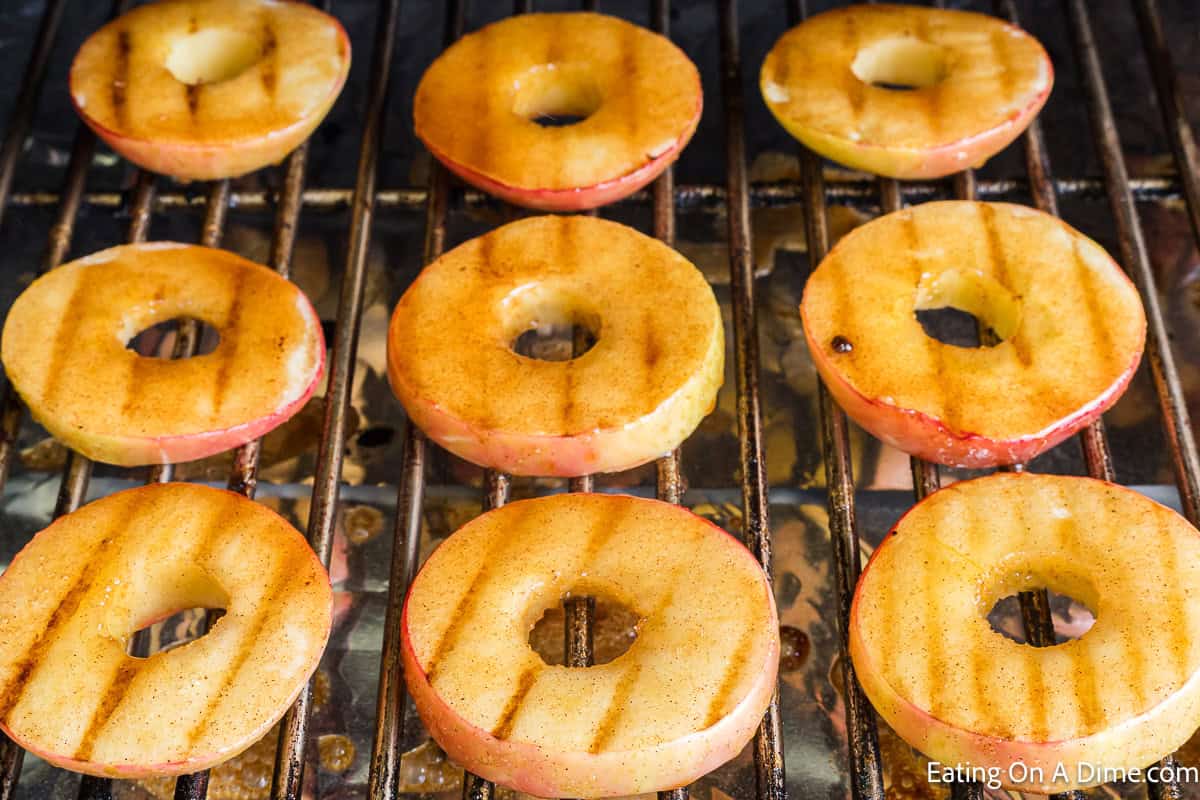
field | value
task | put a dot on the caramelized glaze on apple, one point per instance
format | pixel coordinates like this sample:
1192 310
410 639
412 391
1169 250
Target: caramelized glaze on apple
905 91
1072 327
64 351
1121 696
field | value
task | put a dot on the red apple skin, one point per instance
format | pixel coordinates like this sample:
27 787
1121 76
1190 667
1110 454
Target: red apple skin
923 164
525 767
581 199
927 437
189 447
927 733
222 159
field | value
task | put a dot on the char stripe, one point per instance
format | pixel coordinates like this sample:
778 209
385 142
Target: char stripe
508 718
269 68
612 715
66 609
120 80
273 606
729 682
933 348
193 98
229 333
65 337
118 687
462 611
1000 267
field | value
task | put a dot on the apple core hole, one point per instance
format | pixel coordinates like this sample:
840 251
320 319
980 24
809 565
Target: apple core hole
614 629
556 95
1072 617
901 63
172 338
178 628
966 308
546 323
213 55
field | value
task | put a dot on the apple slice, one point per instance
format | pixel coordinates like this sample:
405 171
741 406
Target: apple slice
478 105
73 597
646 384
207 89
1072 327
682 700
64 351
1121 696
904 91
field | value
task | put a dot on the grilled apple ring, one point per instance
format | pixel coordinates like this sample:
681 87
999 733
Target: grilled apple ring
682 700
1072 327
207 89
904 91
650 378
64 351
1121 696
477 107
73 597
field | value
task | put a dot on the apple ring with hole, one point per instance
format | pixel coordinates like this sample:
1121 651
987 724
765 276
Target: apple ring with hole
491 108
64 350
1122 695
208 89
1071 327
72 599
650 378
683 699
903 91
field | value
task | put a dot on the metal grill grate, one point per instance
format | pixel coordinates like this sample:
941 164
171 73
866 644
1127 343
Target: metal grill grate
736 198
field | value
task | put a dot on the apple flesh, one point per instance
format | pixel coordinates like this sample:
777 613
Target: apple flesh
63 349
210 89
684 699
73 597
1072 326
642 389
1121 696
639 97
848 105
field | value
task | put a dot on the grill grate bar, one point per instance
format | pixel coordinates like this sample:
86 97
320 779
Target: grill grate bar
768 741
865 762
293 732
26 103
1170 100
839 188
383 781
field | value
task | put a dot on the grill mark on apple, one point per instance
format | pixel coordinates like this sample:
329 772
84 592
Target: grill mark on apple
935 660
566 251
192 90
230 336
479 149
1004 75
729 681
1084 669
66 335
270 50
1036 702
120 80
999 263
1178 638
630 68
1096 319
67 607
933 348
273 605
118 686
931 95
508 718
854 87
616 707
466 603
603 529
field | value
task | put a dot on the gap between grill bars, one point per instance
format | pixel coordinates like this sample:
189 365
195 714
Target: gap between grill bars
737 197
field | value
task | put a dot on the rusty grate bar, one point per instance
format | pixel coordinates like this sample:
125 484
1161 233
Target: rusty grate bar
293 732
383 781
756 533
26 103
